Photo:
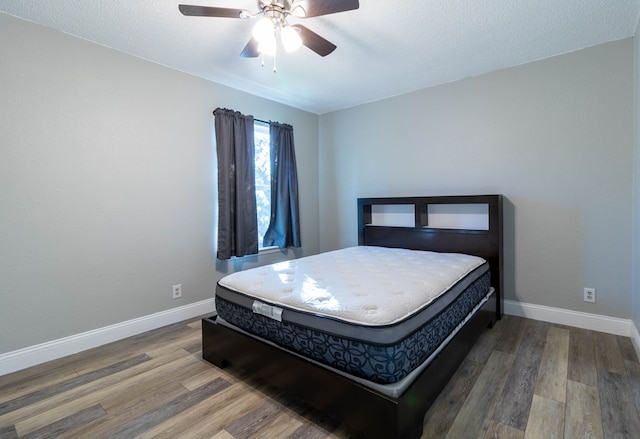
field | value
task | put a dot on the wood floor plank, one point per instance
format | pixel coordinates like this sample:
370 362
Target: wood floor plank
196 324
195 347
619 413
64 404
210 415
501 431
582 415
70 384
546 420
64 364
282 425
608 355
134 408
102 356
515 402
582 357
55 429
14 386
626 349
168 410
512 334
162 349
475 414
446 407
151 399
147 382
488 341
252 422
634 381
8 433
92 387
552 375
196 380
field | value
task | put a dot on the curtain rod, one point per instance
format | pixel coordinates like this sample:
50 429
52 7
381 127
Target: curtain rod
259 120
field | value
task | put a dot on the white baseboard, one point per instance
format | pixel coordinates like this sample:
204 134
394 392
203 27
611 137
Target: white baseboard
594 322
30 356
51 350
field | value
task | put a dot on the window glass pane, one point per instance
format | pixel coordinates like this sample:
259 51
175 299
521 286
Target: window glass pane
263 178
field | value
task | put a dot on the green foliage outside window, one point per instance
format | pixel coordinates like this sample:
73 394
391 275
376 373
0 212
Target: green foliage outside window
263 178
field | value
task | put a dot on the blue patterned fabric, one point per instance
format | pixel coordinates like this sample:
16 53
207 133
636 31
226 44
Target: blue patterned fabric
377 363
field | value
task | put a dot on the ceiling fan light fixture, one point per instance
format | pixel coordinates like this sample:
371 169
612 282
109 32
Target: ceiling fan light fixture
274 15
263 29
290 39
268 46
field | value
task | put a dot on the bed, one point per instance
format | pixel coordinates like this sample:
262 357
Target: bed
386 399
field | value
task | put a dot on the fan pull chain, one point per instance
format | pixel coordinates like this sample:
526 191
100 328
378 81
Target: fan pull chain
275 66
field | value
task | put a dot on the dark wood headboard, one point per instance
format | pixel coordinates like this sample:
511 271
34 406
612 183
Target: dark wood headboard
484 243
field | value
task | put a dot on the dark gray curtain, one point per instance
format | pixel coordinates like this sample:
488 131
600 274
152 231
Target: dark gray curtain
284 226
237 216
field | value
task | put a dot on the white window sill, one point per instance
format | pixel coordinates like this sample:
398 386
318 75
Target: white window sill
268 250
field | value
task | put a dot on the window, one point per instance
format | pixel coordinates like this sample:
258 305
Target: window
242 203
263 178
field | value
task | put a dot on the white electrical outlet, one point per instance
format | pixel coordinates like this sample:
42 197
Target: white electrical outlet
177 291
590 295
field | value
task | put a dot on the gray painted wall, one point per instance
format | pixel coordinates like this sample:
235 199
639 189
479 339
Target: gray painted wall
554 136
107 184
107 177
636 186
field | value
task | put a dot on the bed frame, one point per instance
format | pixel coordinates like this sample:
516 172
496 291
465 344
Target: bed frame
363 410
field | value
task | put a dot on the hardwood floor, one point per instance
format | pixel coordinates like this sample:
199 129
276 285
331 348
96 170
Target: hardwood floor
523 379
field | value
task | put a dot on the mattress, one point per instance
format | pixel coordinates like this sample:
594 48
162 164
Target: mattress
373 312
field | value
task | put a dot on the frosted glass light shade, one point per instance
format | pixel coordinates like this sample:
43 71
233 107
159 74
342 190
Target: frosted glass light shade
290 39
263 29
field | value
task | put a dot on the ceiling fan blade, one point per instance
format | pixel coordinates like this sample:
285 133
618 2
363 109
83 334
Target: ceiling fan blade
251 49
211 11
314 41
315 8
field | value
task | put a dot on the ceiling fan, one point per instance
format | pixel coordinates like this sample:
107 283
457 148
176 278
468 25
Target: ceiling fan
273 20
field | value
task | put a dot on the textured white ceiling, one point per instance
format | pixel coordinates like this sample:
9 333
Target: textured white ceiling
385 48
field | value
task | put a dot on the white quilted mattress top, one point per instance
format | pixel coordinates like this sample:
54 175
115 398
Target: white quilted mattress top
363 285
